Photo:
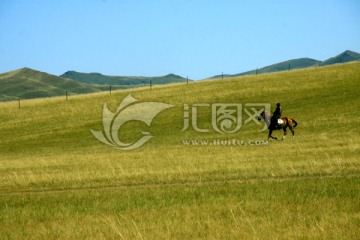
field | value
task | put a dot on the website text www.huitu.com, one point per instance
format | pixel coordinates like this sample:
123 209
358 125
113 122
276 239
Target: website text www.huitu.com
223 142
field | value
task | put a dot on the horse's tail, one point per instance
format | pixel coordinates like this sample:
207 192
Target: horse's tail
295 122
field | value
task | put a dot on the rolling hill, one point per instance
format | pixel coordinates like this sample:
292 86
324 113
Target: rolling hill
344 57
27 83
283 66
100 79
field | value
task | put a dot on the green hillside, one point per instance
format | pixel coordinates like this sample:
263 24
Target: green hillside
284 66
344 57
27 83
100 79
57 181
347 56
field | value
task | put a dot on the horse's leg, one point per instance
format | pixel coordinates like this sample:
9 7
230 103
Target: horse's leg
270 132
284 128
291 129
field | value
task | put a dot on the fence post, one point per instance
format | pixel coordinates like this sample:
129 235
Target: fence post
66 95
289 67
150 85
187 80
19 103
257 71
110 89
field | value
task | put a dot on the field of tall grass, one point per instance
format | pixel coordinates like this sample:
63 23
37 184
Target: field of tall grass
57 181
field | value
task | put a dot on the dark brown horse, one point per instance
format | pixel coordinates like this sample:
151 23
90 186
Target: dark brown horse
287 122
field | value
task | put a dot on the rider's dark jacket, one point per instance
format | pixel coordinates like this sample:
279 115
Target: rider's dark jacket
277 113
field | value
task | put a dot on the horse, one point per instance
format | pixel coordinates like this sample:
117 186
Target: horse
287 122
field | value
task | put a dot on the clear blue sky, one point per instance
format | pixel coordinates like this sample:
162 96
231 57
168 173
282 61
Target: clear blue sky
195 38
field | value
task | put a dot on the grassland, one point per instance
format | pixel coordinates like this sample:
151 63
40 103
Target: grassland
58 182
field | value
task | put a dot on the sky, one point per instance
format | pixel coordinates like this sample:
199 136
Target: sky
190 38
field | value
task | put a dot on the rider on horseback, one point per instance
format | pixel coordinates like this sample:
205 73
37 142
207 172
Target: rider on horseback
276 116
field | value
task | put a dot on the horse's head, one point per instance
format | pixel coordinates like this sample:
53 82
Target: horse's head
265 116
261 116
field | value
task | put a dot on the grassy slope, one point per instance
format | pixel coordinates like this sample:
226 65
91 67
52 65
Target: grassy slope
58 181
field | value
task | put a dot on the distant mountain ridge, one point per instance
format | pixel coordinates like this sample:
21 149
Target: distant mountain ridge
347 56
100 79
283 66
27 83
299 63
